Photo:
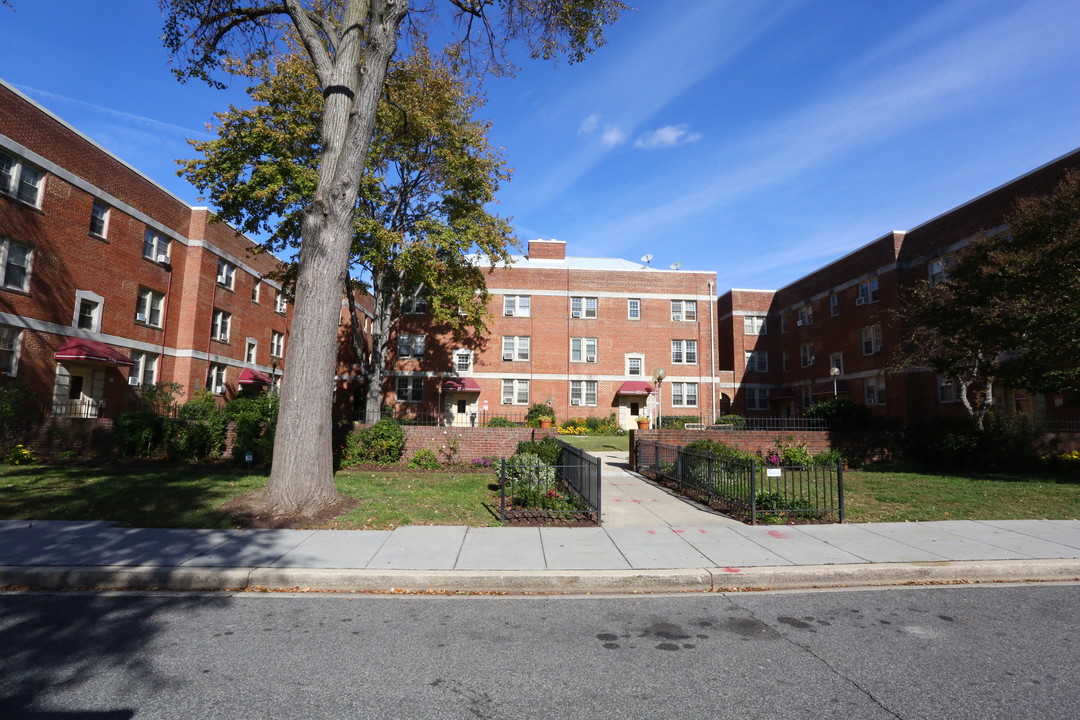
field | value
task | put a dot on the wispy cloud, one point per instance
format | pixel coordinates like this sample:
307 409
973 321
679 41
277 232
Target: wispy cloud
666 137
589 125
613 136
610 135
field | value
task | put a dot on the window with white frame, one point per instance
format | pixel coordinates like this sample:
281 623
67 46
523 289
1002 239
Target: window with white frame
684 310
144 372
517 305
684 352
280 303
88 306
684 394
463 361
515 392
874 391
783 323
256 288
834 305
757 399
515 348
15 262
806 355
148 307
219 328
633 309
251 351
215 381
226 274
868 292
20 180
277 344
583 392
583 307
635 365
414 305
836 360
757 361
155 246
937 271
807 396
947 390
805 316
410 389
99 219
9 350
583 349
754 325
870 337
411 345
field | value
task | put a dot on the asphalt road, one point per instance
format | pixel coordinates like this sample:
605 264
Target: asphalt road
957 652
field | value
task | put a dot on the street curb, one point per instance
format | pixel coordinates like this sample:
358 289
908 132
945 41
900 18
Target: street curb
539 581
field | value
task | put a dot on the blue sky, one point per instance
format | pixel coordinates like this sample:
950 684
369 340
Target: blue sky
759 138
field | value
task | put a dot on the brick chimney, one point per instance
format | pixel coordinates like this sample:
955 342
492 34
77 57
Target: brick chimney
547 250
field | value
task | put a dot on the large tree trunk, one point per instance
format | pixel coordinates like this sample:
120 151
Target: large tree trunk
302 478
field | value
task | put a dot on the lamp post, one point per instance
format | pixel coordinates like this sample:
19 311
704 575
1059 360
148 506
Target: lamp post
835 372
658 378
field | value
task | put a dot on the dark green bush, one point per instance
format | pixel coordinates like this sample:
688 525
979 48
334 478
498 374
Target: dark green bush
500 422
382 443
718 449
845 414
1005 444
737 422
549 450
254 420
538 411
424 460
139 433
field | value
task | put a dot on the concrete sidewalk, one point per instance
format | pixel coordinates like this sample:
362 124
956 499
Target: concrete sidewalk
650 540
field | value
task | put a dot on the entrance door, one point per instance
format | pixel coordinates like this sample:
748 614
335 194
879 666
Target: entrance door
78 391
461 409
631 407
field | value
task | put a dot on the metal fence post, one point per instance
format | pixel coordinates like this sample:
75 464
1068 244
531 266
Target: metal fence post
502 491
709 475
840 486
753 492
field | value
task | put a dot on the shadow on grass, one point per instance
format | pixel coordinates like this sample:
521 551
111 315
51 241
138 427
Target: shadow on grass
911 468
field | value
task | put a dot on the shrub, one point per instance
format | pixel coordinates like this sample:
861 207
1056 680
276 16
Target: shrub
424 459
845 414
16 399
254 420
677 422
828 458
21 455
496 422
718 449
382 443
139 433
538 411
1007 443
737 422
548 449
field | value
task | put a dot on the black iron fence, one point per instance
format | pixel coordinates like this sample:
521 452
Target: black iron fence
480 418
529 489
747 489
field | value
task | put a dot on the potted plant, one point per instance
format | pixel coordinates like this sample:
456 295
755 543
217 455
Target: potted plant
540 415
643 420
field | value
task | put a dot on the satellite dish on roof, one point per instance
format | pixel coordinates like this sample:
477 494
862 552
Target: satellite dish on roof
676 266
646 259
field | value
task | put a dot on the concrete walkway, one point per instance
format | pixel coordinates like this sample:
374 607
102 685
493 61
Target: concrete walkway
650 540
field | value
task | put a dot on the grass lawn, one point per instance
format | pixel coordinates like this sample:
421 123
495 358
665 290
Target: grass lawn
895 496
598 443
169 495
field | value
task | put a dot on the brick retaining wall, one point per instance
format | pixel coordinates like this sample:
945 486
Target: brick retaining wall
472 442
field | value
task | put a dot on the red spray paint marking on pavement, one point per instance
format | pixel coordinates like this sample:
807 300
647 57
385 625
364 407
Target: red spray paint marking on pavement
651 532
703 531
680 531
730 569
777 534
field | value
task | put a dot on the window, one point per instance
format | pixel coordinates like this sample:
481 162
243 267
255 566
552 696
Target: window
806 316
683 394
148 307
633 309
216 379
99 219
515 392
279 302
256 287
834 305
410 389
871 340
277 344
684 352
583 350
806 355
517 305
635 366
463 361
684 310
515 348
836 360
20 180
757 399
88 310
226 274
784 361
219 329
757 361
754 325
145 370
414 305
938 270
874 391
583 392
807 396
15 261
155 246
947 390
583 307
251 351
868 292
9 350
410 345
783 323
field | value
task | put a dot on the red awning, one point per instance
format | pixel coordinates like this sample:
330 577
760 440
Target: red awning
635 387
92 351
253 377
842 388
460 384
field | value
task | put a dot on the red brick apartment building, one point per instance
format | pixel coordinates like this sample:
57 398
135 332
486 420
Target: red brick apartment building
583 335
782 345
108 281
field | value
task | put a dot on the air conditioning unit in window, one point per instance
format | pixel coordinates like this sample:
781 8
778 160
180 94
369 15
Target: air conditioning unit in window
861 301
140 317
676 318
576 313
219 389
802 322
508 356
133 381
162 258
590 358
508 401
575 401
508 313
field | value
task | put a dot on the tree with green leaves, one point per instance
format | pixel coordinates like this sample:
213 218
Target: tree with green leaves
349 45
